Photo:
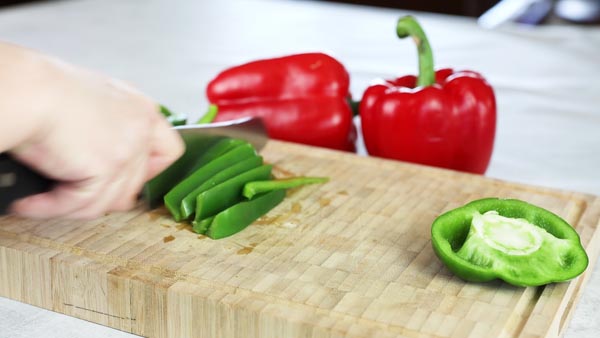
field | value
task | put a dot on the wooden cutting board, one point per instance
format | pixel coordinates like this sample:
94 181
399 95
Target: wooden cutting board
350 258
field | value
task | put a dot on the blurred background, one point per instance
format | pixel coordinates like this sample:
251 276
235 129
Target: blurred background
524 11
540 56
491 12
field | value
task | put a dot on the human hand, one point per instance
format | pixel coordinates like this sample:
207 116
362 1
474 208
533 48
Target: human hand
98 138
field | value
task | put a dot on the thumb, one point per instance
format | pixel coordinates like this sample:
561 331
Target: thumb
166 146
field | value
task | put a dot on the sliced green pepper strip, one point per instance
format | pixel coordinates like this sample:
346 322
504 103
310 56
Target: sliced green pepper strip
202 226
509 239
173 119
219 148
239 216
258 187
228 193
177 120
195 146
188 204
174 197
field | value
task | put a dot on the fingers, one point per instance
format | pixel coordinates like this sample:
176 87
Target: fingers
118 193
64 199
88 199
166 146
115 190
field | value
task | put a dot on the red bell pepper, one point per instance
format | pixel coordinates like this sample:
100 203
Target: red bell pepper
301 98
444 118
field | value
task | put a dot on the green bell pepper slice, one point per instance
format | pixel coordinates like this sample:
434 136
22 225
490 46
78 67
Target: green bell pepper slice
188 204
258 187
219 148
173 119
195 146
228 193
508 239
213 163
237 217
202 226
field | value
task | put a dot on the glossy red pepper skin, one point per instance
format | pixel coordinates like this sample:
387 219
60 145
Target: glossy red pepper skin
450 124
444 118
302 98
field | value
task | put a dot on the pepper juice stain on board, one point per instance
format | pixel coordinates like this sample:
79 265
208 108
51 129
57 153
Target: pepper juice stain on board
158 213
185 226
324 202
265 220
280 172
296 207
168 239
245 250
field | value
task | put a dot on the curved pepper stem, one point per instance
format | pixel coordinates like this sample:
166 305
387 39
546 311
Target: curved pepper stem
408 26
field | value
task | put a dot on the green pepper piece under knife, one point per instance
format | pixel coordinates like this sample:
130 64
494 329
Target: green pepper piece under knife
173 119
188 204
219 148
195 146
512 240
174 197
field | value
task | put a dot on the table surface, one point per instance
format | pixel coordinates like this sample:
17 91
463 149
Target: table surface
546 80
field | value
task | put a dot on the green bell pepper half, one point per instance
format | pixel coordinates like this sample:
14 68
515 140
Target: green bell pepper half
509 239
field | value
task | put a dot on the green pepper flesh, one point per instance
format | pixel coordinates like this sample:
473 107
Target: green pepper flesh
216 164
188 204
195 146
258 187
515 241
239 216
228 193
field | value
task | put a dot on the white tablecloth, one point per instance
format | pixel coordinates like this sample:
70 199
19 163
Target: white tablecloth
547 82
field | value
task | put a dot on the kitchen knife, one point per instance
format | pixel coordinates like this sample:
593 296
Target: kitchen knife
18 181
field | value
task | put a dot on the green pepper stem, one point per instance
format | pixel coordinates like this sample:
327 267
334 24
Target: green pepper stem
210 115
258 187
408 26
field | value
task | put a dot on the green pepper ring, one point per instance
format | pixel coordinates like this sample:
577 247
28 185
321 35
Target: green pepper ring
449 232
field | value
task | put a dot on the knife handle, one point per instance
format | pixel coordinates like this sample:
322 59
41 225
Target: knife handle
17 181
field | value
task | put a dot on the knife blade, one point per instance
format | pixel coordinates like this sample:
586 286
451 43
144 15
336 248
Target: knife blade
18 181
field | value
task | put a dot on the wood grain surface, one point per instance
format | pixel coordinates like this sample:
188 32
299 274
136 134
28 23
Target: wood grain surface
350 258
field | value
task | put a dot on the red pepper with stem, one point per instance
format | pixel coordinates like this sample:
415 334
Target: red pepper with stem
301 98
445 118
